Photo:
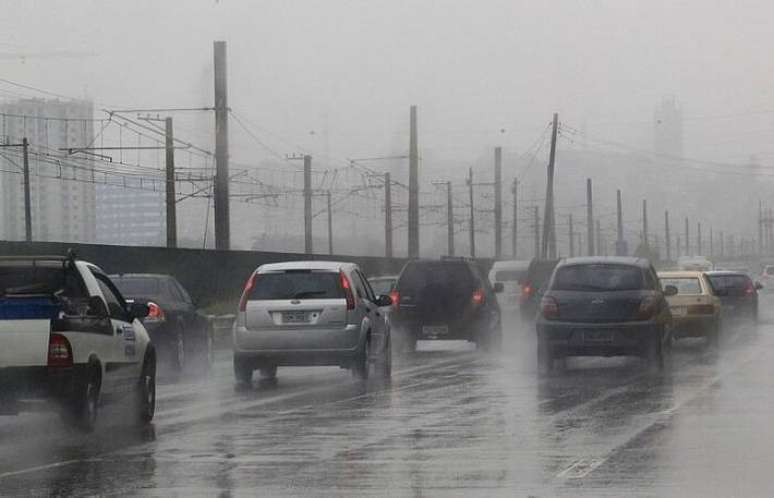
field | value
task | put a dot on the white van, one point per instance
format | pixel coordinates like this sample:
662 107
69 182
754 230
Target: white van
510 274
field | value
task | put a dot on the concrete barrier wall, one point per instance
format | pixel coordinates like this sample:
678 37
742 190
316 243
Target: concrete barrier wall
212 277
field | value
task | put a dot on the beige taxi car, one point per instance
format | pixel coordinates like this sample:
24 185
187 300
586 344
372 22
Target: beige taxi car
695 308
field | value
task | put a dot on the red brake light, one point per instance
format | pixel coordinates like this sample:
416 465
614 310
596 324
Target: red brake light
347 291
60 354
648 307
526 292
246 292
395 296
549 307
478 297
155 313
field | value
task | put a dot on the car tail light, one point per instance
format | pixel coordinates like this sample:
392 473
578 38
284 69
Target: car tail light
155 313
526 292
701 309
249 285
395 296
60 354
478 297
347 291
549 307
648 308
749 290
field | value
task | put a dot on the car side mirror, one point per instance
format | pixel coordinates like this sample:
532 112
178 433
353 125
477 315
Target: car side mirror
383 300
670 290
96 308
758 286
139 310
498 287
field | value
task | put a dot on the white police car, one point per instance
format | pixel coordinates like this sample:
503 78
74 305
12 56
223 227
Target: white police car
68 336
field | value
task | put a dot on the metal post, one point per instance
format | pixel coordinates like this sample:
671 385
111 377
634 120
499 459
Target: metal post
330 222
472 216
170 181
549 228
498 200
27 201
222 217
589 217
387 216
308 241
413 200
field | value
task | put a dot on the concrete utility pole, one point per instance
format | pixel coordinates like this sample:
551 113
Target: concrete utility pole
590 217
498 202
620 244
472 216
678 246
330 222
515 227
537 231
698 238
599 240
413 200
387 216
666 236
169 144
572 237
687 239
221 187
760 227
449 219
549 222
711 242
27 200
308 241
645 223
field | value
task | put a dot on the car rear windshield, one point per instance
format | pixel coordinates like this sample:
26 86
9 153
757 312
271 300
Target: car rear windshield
382 285
597 278
303 284
730 282
420 276
683 285
138 286
23 279
509 275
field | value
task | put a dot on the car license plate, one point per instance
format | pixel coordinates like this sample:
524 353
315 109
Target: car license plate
435 330
294 317
597 336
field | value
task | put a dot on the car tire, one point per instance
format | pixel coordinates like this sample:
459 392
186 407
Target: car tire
243 371
268 372
362 363
146 391
545 358
84 406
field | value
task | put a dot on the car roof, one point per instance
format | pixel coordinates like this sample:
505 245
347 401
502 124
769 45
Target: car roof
140 275
383 277
511 264
619 260
680 274
306 265
727 272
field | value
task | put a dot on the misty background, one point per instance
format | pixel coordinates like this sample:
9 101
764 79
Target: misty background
335 80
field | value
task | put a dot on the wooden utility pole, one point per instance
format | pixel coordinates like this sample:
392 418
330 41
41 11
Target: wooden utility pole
169 143
572 237
221 187
387 216
515 226
498 202
666 236
549 222
330 222
413 200
589 217
308 241
472 215
27 200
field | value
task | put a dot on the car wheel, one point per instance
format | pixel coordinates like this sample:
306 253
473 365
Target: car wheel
361 366
268 372
146 391
83 409
243 371
545 358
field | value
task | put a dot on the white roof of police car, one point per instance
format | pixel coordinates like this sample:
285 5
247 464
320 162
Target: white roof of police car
305 265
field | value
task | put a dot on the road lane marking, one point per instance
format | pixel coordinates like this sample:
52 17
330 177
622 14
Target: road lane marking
54 465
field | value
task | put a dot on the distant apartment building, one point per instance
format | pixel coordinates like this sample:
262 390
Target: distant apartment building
668 128
62 199
130 216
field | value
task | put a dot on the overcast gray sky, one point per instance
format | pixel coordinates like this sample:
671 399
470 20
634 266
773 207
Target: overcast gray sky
473 67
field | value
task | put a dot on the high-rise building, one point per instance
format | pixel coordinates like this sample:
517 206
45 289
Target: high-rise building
62 197
668 128
127 216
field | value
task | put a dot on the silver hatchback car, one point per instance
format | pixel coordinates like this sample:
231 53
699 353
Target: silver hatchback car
305 313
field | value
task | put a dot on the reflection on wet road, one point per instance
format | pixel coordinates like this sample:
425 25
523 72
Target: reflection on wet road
453 422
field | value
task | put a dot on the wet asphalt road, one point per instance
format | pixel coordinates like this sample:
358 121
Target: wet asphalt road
453 422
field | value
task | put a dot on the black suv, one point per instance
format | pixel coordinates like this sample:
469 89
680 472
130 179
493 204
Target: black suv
448 299
737 292
603 306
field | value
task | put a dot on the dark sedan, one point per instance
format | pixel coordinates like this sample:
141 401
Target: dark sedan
600 306
737 292
180 332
